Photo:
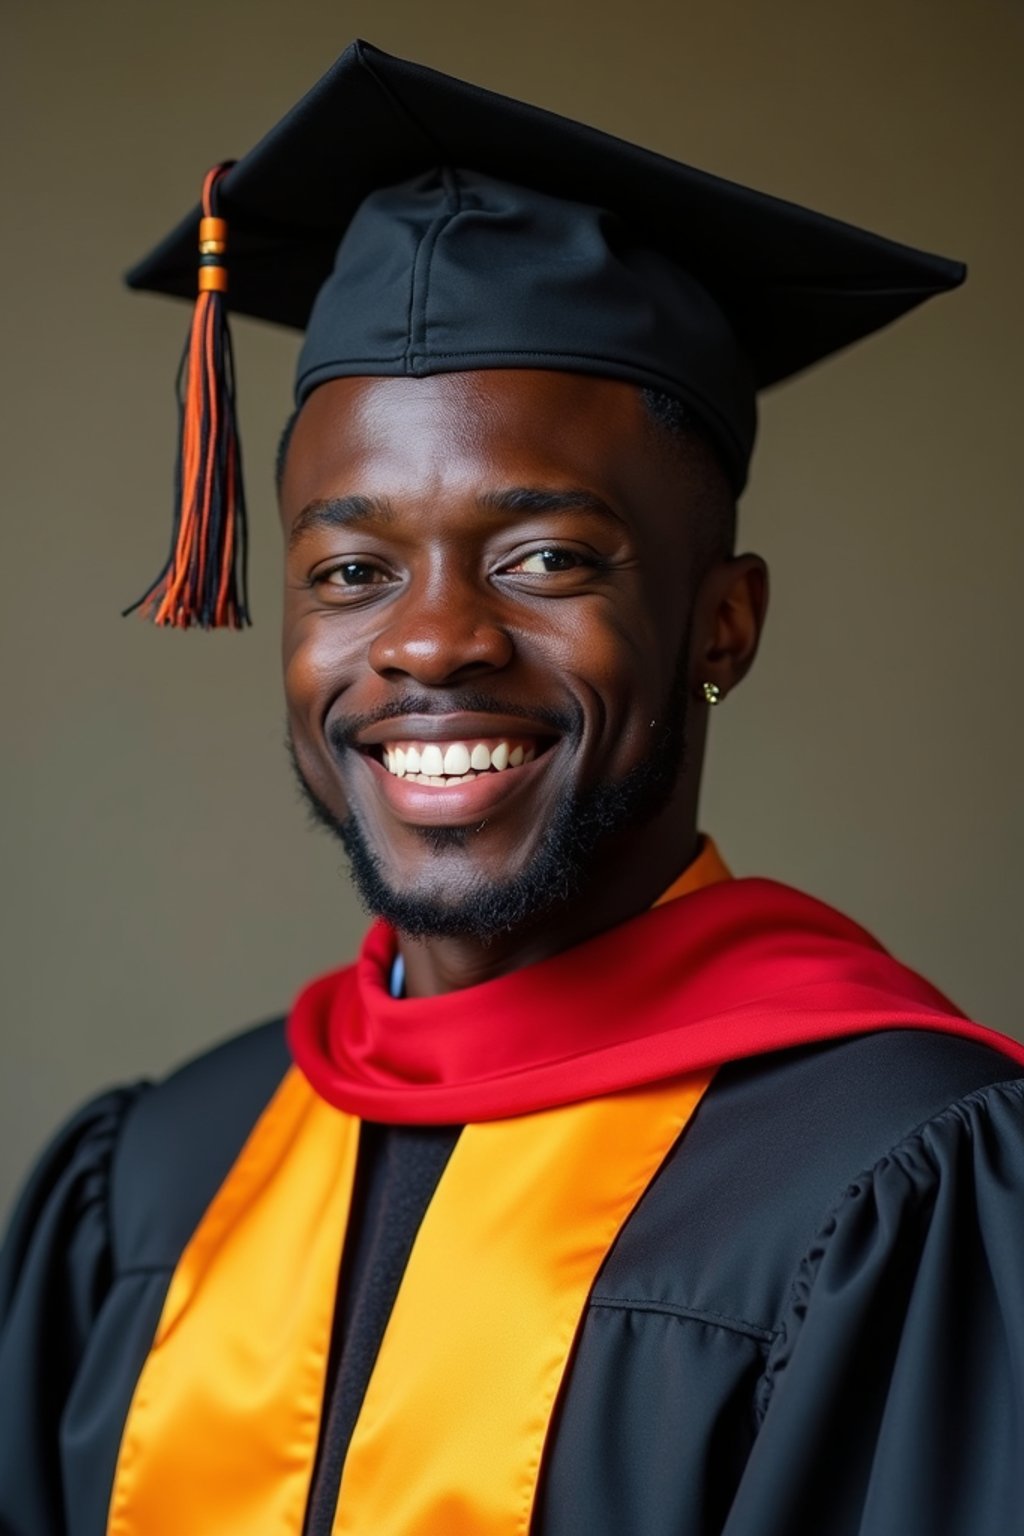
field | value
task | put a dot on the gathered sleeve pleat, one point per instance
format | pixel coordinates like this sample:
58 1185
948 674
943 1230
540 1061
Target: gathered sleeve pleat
56 1268
892 1403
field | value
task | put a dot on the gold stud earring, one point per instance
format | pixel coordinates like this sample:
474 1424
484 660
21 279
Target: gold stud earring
712 693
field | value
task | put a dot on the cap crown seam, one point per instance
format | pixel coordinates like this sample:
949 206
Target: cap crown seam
419 289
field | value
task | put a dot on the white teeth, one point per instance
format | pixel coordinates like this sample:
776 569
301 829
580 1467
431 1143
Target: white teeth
456 763
431 760
456 759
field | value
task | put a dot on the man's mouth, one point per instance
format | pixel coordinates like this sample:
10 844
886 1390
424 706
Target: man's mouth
444 763
453 769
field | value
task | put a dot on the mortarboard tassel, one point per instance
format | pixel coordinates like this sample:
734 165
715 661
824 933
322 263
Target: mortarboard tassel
204 579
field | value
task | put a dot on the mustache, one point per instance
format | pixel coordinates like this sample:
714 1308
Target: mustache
343 730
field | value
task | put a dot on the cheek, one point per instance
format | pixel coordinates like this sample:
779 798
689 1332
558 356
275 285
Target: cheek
315 665
311 669
622 671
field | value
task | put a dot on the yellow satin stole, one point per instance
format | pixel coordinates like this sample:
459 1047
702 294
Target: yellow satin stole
222 1431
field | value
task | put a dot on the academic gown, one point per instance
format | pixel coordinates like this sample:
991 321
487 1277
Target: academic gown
812 1321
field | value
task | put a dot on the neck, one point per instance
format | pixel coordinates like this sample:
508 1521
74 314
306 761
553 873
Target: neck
629 876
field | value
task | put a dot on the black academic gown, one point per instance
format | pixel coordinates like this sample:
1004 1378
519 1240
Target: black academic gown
813 1322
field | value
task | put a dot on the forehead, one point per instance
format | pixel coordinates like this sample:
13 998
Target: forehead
463 433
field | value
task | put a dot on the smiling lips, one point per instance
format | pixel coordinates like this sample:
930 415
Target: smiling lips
445 763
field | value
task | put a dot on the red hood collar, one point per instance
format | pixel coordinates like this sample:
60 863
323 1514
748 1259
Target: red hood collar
733 969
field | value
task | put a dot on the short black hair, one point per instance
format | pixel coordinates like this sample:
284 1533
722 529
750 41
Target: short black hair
677 422
282 446
677 419
680 425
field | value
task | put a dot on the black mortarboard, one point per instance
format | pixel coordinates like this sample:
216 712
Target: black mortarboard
413 224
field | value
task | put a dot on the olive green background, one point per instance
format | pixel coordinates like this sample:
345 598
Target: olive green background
161 886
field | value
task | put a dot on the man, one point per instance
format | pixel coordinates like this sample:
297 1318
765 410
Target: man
605 1193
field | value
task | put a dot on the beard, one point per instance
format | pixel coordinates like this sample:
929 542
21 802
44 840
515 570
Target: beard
577 833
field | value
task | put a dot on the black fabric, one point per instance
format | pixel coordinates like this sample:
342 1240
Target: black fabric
85 1267
413 292
181 1140
397 1173
813 1321
816 1311
55 1272
474 231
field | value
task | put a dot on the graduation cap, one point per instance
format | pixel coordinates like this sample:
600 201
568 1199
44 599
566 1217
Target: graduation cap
413 224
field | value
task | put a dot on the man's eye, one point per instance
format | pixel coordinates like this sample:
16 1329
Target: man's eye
545 562
354 573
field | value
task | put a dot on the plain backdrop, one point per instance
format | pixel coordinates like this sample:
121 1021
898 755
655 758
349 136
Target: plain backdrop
161 886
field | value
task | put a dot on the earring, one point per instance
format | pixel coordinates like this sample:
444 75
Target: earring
712 693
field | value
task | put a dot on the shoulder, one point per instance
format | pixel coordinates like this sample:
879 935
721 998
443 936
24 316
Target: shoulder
61 1211
132 1170
776 1145
180 1138
922 1254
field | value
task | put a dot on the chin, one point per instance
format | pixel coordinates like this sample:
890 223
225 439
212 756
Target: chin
445 899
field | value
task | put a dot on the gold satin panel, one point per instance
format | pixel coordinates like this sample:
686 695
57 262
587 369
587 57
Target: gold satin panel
222 1430
452 1429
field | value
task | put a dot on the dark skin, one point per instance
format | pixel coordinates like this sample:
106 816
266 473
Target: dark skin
441 585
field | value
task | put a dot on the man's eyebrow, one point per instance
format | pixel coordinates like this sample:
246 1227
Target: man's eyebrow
338 512
344 511
518 499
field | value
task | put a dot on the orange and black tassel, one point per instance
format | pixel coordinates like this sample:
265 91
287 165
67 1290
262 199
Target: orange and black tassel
204 579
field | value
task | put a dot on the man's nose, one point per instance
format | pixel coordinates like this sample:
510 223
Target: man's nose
441 639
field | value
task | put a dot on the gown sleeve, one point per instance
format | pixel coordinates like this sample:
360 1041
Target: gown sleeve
893 1400
55 1270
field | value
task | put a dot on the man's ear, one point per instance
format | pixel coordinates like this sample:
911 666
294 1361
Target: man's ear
728 617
